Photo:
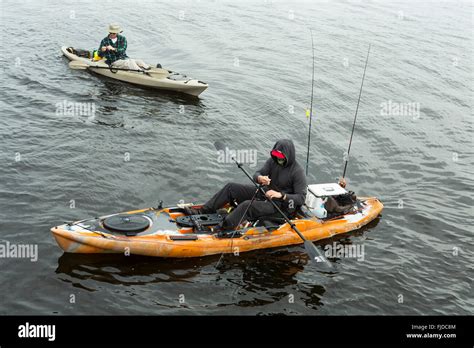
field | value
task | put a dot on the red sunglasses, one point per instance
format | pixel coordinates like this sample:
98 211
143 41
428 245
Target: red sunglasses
278 154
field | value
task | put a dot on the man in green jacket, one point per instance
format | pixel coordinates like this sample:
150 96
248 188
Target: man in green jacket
113 48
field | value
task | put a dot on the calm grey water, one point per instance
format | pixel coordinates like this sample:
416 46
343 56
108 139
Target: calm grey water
256 57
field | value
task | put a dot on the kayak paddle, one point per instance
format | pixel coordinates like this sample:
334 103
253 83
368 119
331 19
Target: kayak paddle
78 65
313 252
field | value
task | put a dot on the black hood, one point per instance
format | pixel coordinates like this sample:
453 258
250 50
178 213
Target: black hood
287 147
289 179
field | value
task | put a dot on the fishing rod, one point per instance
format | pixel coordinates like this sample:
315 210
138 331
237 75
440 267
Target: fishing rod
311 105
355 116
310 113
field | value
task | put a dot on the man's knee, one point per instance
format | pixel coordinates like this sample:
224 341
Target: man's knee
231 186
246 203
254 210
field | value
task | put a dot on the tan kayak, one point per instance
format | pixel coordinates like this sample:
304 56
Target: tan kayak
155 78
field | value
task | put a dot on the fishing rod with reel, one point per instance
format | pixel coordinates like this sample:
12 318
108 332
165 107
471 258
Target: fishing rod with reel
311 114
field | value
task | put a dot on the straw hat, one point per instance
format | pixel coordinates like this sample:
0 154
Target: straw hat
114 28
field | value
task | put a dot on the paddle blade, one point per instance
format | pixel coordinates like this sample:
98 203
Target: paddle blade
77 65
315 254
219 145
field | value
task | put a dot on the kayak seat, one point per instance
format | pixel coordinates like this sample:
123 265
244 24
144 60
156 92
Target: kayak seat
272 225
270 222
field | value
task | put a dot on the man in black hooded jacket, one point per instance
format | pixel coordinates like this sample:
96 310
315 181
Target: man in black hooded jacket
283 180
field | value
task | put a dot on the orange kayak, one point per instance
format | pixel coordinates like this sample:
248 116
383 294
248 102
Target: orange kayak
168 232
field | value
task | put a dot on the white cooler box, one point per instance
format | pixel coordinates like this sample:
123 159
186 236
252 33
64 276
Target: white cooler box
316 198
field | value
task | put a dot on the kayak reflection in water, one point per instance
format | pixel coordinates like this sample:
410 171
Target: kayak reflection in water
114 46
283 180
